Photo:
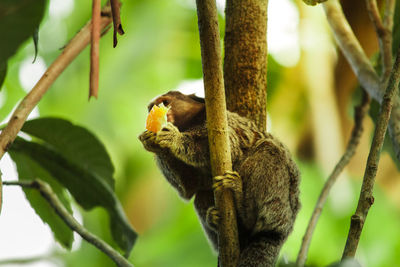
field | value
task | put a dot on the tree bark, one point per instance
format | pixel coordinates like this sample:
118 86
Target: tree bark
245 66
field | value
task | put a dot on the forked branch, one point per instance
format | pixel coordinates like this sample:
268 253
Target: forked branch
359 114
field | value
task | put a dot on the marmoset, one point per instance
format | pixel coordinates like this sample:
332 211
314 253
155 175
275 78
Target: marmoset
265 179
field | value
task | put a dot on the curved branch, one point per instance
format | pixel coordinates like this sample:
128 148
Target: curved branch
228 244
360 64
72 49
352 49
360 112
366 196
48 194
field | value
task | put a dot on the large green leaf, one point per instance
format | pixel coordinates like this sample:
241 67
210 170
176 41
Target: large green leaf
75 157
30 170
18 20
75 143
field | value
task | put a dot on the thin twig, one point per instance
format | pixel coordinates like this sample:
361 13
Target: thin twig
94 49
313 2
366 196
228 244
352 49
115 7
48 194
71 50
389 14
384 38
359 114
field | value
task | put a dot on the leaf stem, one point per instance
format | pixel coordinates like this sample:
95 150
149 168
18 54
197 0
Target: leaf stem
48 194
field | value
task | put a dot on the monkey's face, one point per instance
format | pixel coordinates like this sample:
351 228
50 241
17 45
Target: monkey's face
183 109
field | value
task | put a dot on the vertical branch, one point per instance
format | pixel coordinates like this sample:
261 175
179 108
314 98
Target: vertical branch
366 196
360 112
94 49
228 245
384 37
245 65
72 50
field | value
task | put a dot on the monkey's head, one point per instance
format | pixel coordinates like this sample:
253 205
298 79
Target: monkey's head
184 111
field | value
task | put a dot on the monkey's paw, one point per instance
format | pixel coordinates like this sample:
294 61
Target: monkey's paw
168 136
212 218
148 140
230 180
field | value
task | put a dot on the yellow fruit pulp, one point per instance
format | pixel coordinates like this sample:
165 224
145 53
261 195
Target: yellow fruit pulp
157 118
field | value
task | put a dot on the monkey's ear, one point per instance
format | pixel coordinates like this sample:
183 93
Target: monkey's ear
197 98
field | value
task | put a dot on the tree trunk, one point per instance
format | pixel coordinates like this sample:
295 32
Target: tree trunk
245 67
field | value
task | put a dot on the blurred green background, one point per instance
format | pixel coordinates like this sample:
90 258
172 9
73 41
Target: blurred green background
310 103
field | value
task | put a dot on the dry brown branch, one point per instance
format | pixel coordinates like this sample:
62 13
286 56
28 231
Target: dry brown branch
228 244
94 49
71 50
366 196
359 114
384 38
115 7
245 64
48 194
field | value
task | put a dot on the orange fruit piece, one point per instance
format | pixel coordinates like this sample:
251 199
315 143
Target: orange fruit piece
157 118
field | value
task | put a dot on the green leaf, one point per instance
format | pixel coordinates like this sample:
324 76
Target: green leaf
30 170
18 20
75 143
3 72
75 157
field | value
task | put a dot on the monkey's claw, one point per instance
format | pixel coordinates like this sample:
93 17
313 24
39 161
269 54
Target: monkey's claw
230 180
213 218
